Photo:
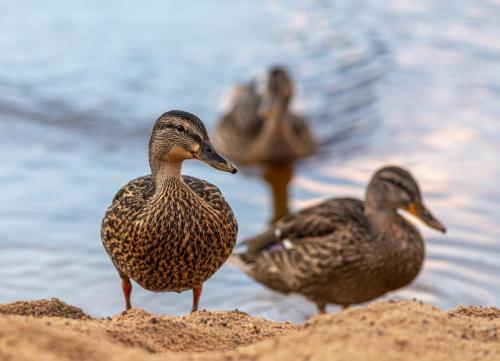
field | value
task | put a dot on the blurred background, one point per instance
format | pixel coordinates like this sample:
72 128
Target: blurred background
82 82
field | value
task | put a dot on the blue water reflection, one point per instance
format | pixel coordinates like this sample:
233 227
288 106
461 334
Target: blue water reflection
417 82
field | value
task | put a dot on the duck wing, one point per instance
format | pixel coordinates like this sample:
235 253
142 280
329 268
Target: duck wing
126 204
136 192
210 193
305 248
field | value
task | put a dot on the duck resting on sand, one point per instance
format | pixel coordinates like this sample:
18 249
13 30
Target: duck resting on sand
165 231
345 251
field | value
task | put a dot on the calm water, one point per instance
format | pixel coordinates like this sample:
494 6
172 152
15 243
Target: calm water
416 83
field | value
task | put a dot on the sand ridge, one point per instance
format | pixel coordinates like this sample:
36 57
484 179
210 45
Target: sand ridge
52 307
380 331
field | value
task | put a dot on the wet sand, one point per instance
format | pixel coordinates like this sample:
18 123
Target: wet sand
409 330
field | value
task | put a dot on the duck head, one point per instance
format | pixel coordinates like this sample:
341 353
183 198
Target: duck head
392 188
278 93
177 136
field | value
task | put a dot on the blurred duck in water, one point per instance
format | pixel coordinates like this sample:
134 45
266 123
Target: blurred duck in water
345 251
261 129
168 231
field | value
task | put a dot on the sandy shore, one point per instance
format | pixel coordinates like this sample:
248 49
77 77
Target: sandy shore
52 330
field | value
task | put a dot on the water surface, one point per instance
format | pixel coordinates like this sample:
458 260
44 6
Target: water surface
82 82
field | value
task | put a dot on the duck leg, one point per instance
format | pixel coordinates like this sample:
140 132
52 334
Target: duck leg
278 177
127 290
196 297
321 308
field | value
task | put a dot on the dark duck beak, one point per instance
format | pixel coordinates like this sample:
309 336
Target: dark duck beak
208 155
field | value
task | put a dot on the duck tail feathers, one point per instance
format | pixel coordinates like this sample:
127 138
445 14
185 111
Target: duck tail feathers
239 261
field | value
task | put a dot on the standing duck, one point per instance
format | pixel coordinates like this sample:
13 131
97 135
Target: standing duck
262 130
345 251
165 231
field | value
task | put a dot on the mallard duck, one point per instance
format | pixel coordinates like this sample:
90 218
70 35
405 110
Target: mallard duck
260 129
165 231
345 251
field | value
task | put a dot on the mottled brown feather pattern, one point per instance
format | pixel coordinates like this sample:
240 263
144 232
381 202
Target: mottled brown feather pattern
169 239
331 254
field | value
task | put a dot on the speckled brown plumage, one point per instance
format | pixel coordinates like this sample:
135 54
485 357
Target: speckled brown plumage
166 232
344 251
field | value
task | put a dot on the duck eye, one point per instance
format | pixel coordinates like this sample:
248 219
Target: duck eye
180 128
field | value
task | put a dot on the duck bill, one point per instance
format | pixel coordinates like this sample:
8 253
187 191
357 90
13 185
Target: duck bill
211 157
421 212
